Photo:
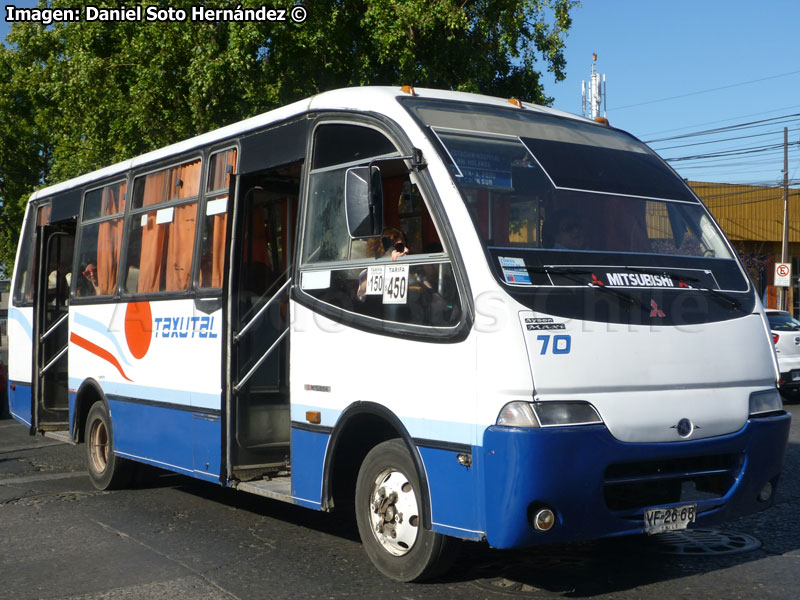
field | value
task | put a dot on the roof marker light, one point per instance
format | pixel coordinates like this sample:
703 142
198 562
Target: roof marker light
408 89
516 102
602 120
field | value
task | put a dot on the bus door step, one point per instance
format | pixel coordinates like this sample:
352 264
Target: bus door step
279 488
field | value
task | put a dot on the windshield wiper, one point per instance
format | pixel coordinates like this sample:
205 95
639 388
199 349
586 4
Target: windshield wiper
730 301
569 274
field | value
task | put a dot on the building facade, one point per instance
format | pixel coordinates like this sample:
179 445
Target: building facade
752 218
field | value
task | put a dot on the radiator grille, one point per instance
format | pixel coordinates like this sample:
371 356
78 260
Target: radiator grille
637 485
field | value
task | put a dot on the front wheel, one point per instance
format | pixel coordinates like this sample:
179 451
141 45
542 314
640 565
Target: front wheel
106 470
389 517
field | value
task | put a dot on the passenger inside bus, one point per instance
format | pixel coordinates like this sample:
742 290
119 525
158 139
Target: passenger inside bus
392 244
563 230
87 285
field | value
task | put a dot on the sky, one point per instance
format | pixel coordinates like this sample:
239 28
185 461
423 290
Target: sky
687 66
680 67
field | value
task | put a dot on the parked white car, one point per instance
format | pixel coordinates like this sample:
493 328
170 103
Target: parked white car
786 337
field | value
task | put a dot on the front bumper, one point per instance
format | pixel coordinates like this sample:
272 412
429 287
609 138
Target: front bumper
600 487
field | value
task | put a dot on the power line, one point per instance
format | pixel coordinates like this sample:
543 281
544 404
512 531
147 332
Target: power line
746 125
766 112
767 157
724 87
722 153
720 140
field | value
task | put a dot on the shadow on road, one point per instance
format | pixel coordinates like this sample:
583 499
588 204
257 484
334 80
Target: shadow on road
570 570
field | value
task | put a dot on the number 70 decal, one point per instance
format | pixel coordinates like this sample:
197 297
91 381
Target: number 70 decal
562 344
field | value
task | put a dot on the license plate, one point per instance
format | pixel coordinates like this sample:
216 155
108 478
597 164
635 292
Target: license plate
796 375
657 520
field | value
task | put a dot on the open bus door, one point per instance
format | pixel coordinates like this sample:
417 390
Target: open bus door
257 386
50 395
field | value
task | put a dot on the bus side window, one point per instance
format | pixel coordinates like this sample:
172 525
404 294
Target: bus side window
23 280
101 241
337 146
221 166
161 238
401 276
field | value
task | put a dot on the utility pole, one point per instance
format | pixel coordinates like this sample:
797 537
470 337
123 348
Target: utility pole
785 244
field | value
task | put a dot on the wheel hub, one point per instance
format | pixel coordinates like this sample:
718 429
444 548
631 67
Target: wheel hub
98 444
394 512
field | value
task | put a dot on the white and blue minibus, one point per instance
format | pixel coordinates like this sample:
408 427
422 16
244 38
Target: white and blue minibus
461 317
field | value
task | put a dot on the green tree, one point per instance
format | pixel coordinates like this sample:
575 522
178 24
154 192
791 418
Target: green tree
22 157
82 95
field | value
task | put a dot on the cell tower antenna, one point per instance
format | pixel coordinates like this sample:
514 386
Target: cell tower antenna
595 93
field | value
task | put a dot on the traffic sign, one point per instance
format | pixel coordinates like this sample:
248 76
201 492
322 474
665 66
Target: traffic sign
783 274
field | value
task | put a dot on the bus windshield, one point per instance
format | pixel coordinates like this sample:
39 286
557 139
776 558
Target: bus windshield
537 182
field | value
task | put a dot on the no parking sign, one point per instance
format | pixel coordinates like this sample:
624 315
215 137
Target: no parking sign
783 274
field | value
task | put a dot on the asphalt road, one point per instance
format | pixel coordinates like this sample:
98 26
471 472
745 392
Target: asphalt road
173 537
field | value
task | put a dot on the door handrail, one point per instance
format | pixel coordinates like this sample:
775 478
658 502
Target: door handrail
261 360
52 362
238 335
53 328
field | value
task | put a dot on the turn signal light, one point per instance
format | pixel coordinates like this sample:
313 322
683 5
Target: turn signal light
314 416
765 493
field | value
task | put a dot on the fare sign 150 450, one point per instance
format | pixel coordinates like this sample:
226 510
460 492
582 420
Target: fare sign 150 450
395 289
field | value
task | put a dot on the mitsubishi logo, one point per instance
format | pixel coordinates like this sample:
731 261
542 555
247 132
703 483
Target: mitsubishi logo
655 311
596 281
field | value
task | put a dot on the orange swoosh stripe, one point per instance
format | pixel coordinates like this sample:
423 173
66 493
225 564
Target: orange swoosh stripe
97 351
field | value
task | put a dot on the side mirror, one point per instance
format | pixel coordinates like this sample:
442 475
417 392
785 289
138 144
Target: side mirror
363 193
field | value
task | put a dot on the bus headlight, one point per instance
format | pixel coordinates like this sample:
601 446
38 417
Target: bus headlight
517 414
764 402
548 414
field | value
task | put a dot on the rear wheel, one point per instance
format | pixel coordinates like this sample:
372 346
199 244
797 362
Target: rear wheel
106 470
389 516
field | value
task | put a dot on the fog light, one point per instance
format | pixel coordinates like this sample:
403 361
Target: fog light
543 519
765 493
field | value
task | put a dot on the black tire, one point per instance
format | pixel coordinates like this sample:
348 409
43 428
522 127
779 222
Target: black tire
106 470
413 553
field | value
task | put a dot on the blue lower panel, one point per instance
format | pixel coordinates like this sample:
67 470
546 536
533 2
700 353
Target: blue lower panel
206 446
565 469
19 401
308 460
73 426
453 493
166 437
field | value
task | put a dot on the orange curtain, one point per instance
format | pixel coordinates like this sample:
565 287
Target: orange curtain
213 259
171 271
189 176
109 239
150 262
217 258
220 178
180 247
43 218
217 180
109 242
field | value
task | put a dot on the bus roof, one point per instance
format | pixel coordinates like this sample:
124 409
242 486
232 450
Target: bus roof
374 99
